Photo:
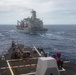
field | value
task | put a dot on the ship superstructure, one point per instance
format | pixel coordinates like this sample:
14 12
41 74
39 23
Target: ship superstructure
31 25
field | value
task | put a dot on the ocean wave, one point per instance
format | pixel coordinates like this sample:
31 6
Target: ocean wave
52 36
1 34
12 31
43 35
60 32
46 35
57 37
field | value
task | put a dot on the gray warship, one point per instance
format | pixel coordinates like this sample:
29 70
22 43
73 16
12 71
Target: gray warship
25 60
31 25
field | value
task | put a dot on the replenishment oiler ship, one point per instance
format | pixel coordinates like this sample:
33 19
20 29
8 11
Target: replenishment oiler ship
31 25
25 60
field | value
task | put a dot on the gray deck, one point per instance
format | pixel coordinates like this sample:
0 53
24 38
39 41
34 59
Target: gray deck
28 65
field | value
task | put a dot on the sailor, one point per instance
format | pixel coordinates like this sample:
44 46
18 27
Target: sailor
59 63
14 55
18 53
58 54
59 60
54 55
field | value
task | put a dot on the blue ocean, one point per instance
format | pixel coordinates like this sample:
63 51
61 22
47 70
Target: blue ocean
57 38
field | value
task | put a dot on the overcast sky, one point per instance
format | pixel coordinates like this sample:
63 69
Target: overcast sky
50 11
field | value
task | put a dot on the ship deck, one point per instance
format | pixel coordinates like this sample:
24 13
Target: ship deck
27 66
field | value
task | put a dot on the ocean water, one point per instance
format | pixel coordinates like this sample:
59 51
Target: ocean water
57 38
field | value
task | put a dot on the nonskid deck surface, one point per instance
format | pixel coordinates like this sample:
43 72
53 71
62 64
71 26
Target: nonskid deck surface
23 66
27 66
70 68
19 66
4 70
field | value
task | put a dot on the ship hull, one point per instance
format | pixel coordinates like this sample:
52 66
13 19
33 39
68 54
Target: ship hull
29 31
32 31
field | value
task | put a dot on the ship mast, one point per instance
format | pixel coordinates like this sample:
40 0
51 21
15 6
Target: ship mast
33 14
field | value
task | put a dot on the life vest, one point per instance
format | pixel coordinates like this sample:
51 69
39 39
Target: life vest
58 54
